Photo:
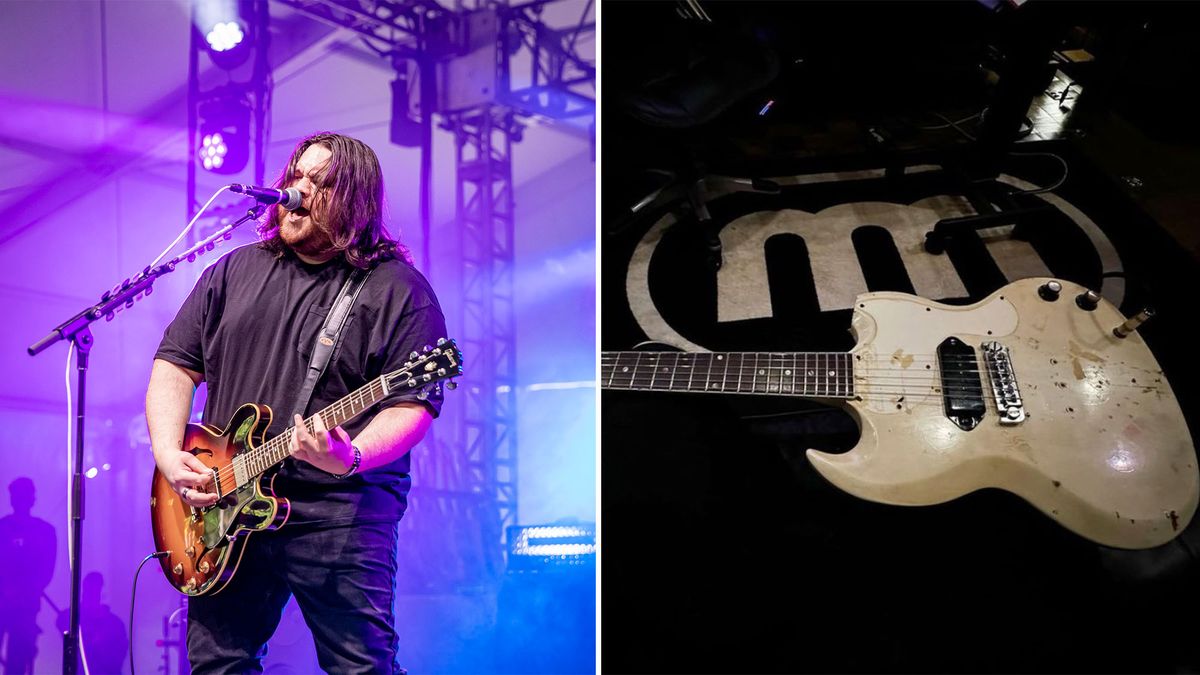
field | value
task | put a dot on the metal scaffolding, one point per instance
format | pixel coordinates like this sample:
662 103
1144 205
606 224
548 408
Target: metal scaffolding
484 208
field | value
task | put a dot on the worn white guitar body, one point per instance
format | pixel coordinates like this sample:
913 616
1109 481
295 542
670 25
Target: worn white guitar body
1102 448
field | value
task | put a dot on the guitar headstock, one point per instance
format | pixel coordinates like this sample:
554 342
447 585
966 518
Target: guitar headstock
428 369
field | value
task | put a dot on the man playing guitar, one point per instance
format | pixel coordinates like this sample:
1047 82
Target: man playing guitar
248 329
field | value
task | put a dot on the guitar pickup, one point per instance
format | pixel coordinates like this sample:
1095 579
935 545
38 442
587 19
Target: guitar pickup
962 392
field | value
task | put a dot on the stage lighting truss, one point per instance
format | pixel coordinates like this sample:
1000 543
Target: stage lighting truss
224 138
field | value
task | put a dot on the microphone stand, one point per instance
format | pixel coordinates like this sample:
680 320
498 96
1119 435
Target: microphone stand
75 329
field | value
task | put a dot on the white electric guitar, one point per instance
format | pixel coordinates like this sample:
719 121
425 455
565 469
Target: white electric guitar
1043 389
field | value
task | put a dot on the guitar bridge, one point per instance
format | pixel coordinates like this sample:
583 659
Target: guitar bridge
1005 388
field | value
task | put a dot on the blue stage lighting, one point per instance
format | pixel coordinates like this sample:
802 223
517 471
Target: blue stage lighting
534 547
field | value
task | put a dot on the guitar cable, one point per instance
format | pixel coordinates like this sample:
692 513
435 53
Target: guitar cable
133 599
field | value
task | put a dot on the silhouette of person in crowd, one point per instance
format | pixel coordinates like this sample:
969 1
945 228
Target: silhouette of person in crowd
27 547
105 642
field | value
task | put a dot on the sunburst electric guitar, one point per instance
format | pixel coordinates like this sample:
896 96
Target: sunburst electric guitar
204 545
1042 389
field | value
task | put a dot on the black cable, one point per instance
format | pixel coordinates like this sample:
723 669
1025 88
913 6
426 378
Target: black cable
133 598
1066 172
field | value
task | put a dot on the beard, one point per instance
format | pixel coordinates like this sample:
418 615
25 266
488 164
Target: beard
302 234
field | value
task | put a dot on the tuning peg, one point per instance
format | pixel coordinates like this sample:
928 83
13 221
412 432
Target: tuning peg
411 382
428 377
441 341
422 395
414 355
452 385
441 372
427 348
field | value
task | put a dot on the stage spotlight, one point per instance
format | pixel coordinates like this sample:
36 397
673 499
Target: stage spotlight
224 143
225 36
228 29
541 547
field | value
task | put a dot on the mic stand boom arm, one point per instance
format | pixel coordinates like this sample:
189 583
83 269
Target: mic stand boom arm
76 330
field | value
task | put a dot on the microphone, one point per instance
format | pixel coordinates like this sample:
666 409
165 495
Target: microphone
289 199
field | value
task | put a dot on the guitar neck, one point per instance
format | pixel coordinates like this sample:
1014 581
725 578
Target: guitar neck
253 463
806 374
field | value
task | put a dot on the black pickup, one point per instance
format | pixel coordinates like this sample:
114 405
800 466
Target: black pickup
962 388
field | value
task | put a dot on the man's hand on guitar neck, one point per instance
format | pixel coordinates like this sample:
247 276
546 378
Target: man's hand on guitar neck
329 451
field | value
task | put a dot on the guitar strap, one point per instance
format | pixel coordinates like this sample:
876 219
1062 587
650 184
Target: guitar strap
328 336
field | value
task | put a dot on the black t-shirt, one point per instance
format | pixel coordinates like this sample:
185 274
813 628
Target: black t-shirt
249 326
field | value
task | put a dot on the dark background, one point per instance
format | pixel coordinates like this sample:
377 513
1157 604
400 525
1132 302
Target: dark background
723 550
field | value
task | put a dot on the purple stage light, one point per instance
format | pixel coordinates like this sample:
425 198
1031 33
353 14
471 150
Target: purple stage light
224 140
213 151
225 36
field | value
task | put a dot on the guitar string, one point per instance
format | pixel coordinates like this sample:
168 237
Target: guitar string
925 397
272 447
721 356
267 450
962 378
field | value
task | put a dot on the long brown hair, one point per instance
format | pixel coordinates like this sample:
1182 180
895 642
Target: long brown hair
349 208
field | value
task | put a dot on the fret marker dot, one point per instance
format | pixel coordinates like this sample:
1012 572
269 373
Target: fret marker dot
787 372
625 369
811 373
832 373
719 357
762 372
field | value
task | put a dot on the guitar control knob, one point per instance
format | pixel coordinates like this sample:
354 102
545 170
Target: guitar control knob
441 341
452 385
1049 291
1013 413
178 568
1088 300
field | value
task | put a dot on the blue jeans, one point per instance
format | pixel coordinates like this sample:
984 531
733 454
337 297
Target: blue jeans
344 580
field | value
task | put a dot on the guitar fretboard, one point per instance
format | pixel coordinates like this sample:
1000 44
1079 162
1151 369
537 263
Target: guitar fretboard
251 464
811 374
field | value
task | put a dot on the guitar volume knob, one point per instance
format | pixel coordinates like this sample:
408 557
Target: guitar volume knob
1088 300
1049 291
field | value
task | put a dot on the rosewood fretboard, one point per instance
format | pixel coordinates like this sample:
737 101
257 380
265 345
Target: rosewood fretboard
811 374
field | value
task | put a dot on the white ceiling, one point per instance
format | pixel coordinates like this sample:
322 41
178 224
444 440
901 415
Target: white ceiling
93 90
